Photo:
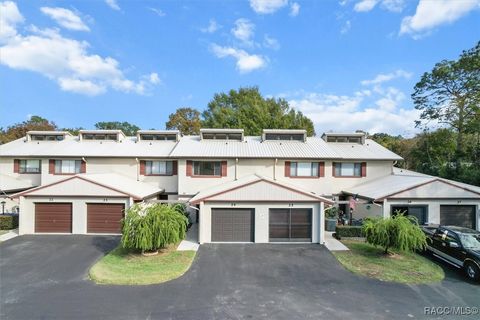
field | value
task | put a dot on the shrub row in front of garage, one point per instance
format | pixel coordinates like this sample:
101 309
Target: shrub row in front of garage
8 222
349 232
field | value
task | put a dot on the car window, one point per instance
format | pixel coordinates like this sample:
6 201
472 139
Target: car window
470 240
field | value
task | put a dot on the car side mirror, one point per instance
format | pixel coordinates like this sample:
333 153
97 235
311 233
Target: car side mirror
454 244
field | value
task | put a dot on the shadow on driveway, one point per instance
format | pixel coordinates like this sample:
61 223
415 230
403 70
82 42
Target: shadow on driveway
45 277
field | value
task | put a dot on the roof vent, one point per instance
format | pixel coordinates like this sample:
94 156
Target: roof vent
221 134
284 135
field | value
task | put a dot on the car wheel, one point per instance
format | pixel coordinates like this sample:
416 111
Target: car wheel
472 271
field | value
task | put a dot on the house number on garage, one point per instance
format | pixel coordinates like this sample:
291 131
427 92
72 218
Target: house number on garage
232 204
105 200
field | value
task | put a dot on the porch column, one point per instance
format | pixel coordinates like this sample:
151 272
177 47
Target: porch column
321 232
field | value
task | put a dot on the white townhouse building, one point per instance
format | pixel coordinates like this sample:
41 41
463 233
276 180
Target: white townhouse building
269 188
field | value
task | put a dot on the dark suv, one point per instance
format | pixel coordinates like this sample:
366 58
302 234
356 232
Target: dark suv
456 245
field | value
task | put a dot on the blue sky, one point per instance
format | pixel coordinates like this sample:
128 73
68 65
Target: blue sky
348 64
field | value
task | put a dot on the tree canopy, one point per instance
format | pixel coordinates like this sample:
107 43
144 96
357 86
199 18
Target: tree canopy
187 120
450 95
127 128
246 108
19 130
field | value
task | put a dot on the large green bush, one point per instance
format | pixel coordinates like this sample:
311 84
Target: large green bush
400 232
8 222
349 231
148 227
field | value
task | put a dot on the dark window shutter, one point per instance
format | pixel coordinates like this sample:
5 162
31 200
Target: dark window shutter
51 166
287 168
16 166
224 168
189 168
83 167
175 168
142 167
364 169
321 169
334 166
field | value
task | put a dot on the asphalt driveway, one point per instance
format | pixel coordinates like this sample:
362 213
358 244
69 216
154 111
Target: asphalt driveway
45 277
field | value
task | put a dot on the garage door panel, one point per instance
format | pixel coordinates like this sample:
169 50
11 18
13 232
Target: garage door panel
53 217
104 218
232 225
290 225
458 215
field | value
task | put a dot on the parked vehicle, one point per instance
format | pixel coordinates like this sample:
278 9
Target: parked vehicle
457 246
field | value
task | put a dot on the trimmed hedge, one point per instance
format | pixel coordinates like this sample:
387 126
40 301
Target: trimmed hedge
8 222
349 231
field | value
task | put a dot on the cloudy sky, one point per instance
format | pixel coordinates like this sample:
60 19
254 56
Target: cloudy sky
348 64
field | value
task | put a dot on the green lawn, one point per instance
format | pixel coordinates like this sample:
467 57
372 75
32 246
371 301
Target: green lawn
370 261
123 267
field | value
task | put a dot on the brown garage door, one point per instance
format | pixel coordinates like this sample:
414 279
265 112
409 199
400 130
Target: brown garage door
457 215
233 225
290 225
104 218
53 217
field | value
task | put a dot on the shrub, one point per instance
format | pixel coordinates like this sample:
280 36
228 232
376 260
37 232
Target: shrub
400 232
331 213
8 222
349 231
148 227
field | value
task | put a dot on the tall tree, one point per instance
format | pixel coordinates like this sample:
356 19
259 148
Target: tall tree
246 108
187 120
127 128
19 130
450 95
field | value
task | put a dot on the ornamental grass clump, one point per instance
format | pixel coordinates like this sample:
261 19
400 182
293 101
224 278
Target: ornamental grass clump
398 232
149 227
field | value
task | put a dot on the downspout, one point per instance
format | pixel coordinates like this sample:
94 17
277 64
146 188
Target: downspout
138 169
275 169
236 168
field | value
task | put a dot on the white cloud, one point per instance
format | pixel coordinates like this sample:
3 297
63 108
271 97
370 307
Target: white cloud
154 78
384 77
113 4
212 27
64 60
431 14
243 30
389 5
65 18
270 42
346 27
245 62
365 5
9 18
378 110
267 6
294 9
158 12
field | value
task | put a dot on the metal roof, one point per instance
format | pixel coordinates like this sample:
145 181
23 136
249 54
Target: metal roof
194 147
400 180
73 147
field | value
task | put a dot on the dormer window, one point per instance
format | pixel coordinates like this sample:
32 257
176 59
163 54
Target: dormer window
358 138
46 135
101 135
284 135
222 134
158 135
